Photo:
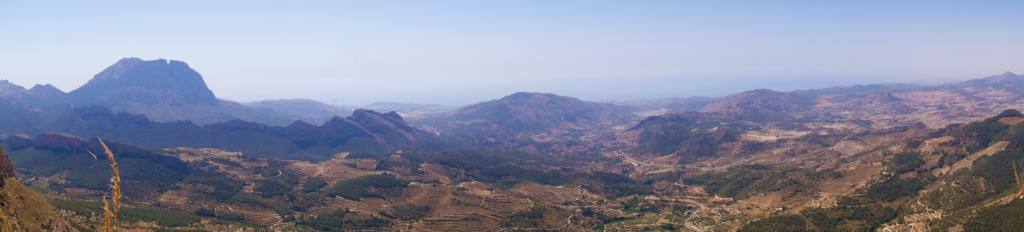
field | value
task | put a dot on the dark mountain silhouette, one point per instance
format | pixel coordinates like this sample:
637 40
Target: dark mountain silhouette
300 138
365 131
49 153
388 127
163 90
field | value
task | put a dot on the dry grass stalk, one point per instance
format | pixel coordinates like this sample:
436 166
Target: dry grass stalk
107 224
113 209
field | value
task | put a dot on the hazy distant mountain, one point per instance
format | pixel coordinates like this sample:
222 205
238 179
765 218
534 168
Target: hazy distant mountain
876 103
302 109
528 113
411 111
39 97
400 107
163 90
667 105
1007 81
856 89
31 109
760 104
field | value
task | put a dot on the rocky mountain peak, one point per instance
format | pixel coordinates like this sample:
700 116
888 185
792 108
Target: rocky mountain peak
7 88
118 70
145 82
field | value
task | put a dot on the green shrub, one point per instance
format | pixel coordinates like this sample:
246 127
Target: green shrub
276 185
1008 217
314 184
366 186
410 212
785 223
160 216
894 188
744 181
342 220
532 218
223 187
905 162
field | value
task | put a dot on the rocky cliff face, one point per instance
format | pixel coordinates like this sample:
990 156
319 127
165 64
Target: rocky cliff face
6 168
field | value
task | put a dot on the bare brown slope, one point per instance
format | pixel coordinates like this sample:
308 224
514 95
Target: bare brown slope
22 209
6 168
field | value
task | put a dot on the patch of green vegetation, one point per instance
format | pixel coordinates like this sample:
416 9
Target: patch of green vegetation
410 212
223 186
850 218
531 218
635 204
278 184
785 223
905 162
343 220
997 169
313 184
510 175
745 181
850 215
367 186
78 207
139 174
614 185
690 137
1008 217
160 216
894 187
225 161
958 194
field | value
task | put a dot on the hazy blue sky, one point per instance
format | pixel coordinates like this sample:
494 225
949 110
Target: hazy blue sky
456 52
